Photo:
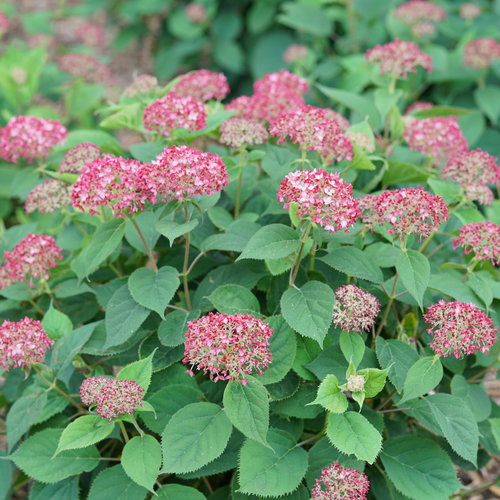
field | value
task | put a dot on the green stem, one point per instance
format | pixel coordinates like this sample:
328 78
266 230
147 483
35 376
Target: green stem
124 431
36 306
296 265
136 425
237 203
145 244
185 265
387 307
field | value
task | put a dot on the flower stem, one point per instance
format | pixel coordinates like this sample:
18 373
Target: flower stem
136 425
296 265
388 306
124 431
185 266
237 203
145 244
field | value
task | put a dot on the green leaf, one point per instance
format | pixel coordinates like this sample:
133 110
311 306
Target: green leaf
419 468
330 396
56 323
114 483
139 371
385 100
178 491
234 299
422 377
194 436
374 381
272 472
172 230
123 317
172 330
35 457
441 111
474 395
309 310
146 222
104 242
307 18
141 460
352 346
273 241
354 262
488 100
154 290
247 407
146 151
399 172
234 239
84 431
414 272
67 489
352 433
482 287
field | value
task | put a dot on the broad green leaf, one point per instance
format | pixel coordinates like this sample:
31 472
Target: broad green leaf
482 286
247 407
399 172
67 489
56 323
374 381
352 347
273 241
488 100
419 468
352 433
146 222
104 242
449 191
146 151
422 377
172 230
330 397
113 483
172 330
272 472
84 431
305 17
139 371
414 272
194 436
309 310
35 457
123 317
298 405
354 262
441 111
234 299
234 239
141 460
154 290
453 285
474 395
385 100
177 492
495 429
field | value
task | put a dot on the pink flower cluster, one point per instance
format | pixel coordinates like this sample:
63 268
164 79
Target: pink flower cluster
29 138
408 211
398 58
76 158
470 10
414 11
142 84
340 483
112 397
228 346
238 132
196 12
86 67
314 130
171 112
355 309
481 53
202 85
31 258
323 197
417 106
4 24
91 34
22 343
459 328
480 238
48 197
439 137
295 53
473 170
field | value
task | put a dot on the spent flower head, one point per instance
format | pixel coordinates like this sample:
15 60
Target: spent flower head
355 309
480 238
340 483
295 53
237 132
91 34
459 328
202 85
142 84
48 197
86 68
228 346
76 158
470 10
481 53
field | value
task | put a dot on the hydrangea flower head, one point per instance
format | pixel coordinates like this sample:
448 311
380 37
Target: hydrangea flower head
415 11
295 53
480 238
22 343
469 10
481 53
337 483
228 346
202 85
48 197
417 106
86 67
459 328
283 79
4 24
196 12
30 138
76 158
237 132
355 309
91 34
355 383
142 84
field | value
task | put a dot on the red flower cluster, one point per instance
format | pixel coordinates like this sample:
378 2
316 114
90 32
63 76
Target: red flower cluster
398 58
22 343
323 197
142 84
76 158
314 130
355 309
202 85
480 238
48 197
172 112
4 24
29 138
481 53
337 482
417 106
112 397
228 346
237 132
459 328
86 67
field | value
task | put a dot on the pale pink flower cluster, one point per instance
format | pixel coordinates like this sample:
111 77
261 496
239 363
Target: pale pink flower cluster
470 10
228 346
398 58
355 309
171 112
473 170
482 239
181 172
237 132
76 158
323 197
440 137
361 140
481 53
22 343
355 383
414 11
91 34
407 211
86 67
340 483
31 258
203 85
196 12
142 84
48 197
4 24
30 138
459 328
331 114
295 53
417 106
313 130
112 397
